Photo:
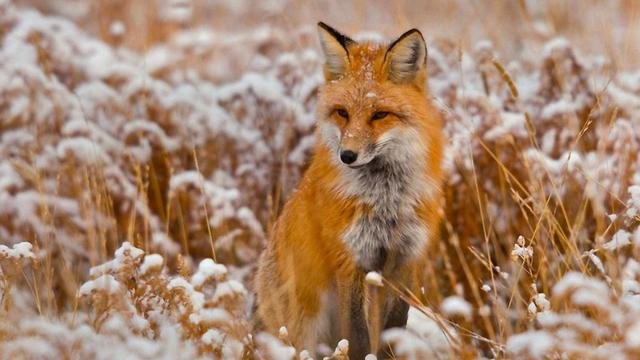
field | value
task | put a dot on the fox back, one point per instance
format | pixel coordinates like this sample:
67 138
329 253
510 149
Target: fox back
368 202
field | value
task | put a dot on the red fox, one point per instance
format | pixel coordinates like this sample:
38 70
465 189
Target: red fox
368 201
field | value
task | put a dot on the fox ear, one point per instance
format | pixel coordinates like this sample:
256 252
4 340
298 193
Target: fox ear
406 57
335 48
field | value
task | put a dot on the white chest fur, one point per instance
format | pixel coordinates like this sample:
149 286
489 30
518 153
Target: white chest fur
390 187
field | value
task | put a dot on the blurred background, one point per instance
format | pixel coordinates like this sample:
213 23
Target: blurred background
516 28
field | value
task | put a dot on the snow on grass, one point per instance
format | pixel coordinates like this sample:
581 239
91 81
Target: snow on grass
423 338
208 269
274 349
520 250
152 262
535 344
620 239
105 283
456 306
374 278
18 251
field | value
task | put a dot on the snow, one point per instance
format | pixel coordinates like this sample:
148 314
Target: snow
208 269
343 347
560 107
35 346
539 303
510 124
164 243
596 261
126 250
18 251
229 289
374 278
106 283
305 355
520 250
582 290
555 45
283 333
632 336
83 150
213 337
196 298
535 344
423 338
456 306
247 217
620 239
525 253
152 262
275 349
570 161
634 201
211 316
117 28
125 255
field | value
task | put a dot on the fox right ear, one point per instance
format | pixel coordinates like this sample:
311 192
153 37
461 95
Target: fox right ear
406 58
335 48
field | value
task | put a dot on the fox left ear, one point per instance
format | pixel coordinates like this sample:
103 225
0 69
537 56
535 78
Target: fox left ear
335 47
406 58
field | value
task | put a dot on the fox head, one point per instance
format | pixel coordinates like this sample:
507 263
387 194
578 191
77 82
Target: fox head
373 104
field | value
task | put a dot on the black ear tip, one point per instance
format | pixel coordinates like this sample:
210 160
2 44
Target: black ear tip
413 31
405 35
327 28
341 38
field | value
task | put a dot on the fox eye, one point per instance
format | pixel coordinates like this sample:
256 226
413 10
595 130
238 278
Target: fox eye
342 113
379 115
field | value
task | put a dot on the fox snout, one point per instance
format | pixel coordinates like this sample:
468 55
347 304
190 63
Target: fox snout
356 155
356 158
356 148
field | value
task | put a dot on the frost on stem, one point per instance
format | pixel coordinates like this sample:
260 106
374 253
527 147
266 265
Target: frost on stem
521 251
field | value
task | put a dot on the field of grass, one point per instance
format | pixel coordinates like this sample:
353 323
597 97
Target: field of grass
146 147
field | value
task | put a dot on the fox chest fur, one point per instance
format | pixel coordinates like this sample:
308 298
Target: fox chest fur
388 194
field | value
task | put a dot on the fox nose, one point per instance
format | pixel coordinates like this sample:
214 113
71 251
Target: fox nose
348 157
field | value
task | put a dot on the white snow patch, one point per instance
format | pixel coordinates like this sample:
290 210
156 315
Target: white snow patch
208 269
18 251
151 262
456 306
620 239
535 344
105 283
374 278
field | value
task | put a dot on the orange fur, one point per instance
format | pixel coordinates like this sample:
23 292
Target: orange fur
306 261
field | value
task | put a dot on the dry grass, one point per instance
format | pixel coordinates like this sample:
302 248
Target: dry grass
131 161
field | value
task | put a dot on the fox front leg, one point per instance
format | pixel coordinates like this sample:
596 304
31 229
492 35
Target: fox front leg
398 315
358 330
